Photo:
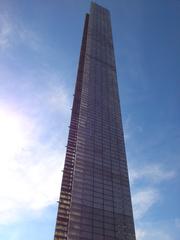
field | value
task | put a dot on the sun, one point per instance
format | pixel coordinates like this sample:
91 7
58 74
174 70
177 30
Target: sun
11 134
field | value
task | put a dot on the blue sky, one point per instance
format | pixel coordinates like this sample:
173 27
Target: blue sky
39 51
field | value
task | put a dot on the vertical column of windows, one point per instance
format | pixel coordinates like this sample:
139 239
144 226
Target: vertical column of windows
63 215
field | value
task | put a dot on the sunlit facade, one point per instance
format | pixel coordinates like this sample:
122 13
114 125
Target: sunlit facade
95 200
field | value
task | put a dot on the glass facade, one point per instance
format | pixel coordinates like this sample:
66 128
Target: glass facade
95 200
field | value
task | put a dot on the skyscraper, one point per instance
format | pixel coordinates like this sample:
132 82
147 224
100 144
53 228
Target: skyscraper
95 201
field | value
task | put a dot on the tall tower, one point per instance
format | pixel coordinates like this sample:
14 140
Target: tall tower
95 200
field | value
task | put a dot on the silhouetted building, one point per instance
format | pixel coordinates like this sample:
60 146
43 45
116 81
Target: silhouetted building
95 200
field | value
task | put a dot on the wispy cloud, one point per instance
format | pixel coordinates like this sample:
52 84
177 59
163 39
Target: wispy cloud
143 200
130 128
140 234
157 229
13 33
29 38
177 223
153 233
54 93
153 172
40 91
30 175
5 32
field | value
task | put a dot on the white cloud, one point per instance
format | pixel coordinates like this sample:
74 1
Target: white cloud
146 197
149 233
127 127
177 223
54 93
13 32
153 173
58 99
143 200
140 234
5 32
29 176
40 91
130 129
30 170
29 37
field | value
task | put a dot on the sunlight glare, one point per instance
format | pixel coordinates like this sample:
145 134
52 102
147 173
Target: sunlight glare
11 135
